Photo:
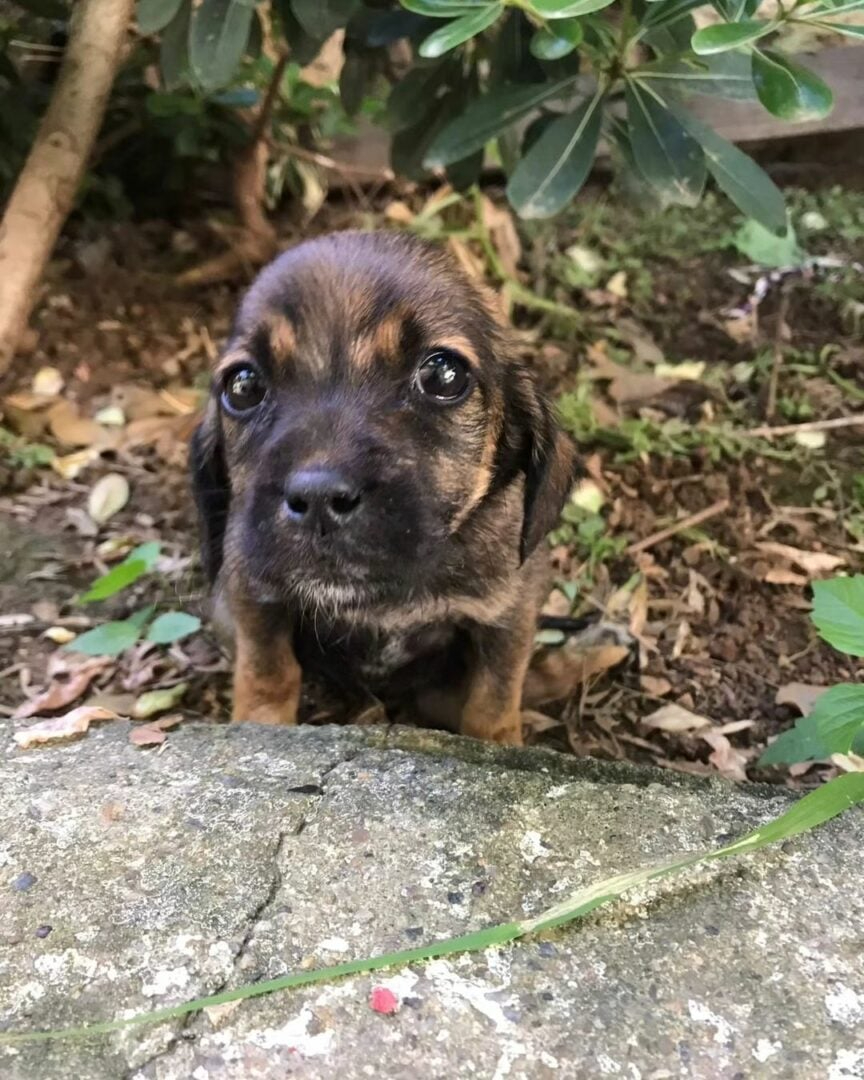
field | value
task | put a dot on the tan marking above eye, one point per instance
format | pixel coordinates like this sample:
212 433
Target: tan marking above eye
382 342
283 337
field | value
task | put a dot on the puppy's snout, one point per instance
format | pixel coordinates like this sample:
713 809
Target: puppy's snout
321 499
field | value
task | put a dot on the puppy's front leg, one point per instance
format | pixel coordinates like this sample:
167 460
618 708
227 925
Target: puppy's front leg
493 706
267 676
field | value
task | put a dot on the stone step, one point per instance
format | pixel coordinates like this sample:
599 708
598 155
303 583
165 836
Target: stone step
134 879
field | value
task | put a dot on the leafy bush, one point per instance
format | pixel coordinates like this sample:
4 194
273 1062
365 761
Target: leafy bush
835 725
544 81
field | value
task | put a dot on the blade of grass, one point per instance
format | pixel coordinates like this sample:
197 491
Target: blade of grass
812 810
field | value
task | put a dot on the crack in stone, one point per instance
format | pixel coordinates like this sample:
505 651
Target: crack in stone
255 916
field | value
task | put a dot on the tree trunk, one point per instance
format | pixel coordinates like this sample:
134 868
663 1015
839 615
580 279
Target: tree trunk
46 188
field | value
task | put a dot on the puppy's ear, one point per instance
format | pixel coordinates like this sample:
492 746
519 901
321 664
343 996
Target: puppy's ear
550 468
211 488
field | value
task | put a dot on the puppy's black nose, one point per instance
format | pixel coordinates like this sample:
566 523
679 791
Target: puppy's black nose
320 498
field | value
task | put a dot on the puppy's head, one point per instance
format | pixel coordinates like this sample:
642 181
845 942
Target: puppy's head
367 408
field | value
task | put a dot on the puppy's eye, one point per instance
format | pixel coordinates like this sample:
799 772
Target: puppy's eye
444 376
243 389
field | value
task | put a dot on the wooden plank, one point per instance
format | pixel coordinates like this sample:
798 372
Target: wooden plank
842 68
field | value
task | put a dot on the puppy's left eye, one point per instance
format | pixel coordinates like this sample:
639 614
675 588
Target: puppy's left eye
444 376
243 389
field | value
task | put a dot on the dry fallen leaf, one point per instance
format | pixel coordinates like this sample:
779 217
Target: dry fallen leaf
810 440
72 429
728 761
535 723
399 212
27 401
802 695
147 735
47 382
59 694
687 370
502 232
676 719
73 723
655 685
617 285
848 762
107 497
811 562
779 576
554 674
69 466
16 619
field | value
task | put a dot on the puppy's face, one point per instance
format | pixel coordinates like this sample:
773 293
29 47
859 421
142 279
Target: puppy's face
366 408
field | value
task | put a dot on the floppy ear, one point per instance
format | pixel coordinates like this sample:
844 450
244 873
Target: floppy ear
211 488
550 471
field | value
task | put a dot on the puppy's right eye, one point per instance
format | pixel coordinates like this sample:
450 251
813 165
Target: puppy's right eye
243 389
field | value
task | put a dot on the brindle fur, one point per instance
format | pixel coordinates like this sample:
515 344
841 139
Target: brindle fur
430 603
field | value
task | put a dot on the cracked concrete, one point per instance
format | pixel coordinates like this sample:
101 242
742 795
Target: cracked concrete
131 880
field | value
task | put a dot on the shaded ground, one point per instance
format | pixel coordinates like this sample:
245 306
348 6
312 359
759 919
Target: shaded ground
722 617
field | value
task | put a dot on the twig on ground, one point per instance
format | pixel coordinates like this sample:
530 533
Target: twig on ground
679 526
768 432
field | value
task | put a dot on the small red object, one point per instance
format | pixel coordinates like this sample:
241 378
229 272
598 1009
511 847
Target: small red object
384 1001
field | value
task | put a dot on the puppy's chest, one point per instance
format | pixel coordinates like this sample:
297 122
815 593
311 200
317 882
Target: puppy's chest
384 662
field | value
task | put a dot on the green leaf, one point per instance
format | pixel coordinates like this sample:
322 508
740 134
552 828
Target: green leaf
142 617
831 727
567 9
443 9
669 158
852 29
320 18
725 36
553 44
411 96
840 7
486 117
172 626
218 32
838 613
556 167
153 15
110 639
460 31
817 807
727 75
749 187
137 563
766 248
174 48
668 12
156 701
788 90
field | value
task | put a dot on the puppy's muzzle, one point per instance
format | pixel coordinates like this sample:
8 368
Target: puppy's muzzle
321 500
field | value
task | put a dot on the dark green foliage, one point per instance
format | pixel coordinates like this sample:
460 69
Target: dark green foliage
483 72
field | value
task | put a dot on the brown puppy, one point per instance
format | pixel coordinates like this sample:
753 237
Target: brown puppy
374 475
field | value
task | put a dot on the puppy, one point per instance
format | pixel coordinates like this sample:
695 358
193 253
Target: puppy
374 475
